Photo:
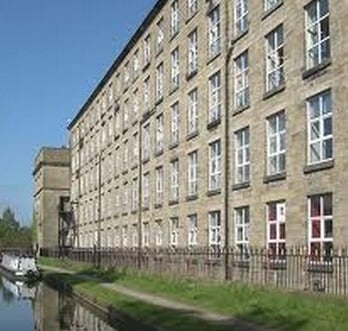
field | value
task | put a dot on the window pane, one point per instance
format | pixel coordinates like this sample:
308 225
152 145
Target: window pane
315 229
327 199
315 206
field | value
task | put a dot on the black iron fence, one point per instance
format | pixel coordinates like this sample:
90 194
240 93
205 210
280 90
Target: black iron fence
295 269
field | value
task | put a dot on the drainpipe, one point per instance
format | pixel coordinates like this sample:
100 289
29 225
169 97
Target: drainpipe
140 197
227 163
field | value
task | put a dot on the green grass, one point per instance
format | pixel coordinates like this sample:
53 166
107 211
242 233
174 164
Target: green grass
270 307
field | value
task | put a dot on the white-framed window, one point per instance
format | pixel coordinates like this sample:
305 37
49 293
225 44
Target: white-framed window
276 228
193 51
146 190
214 231
175 68
159 185
135 194
126 76
117 198
241 80
135 103
193 173
136 63
159 81
147 49
159 233
135 148
174 17
160 35
192 229
214 32
241 12
117 121
146 91
146 234
117 237
125 115
159 133
110 94
135 242
125 198
125 236
174 127
146 142
125 155
215 97
276 143
320 226
317 33
192 114
241 231
242 156
192 7
275 76
174 231
269 4
320 128
215 165
174 180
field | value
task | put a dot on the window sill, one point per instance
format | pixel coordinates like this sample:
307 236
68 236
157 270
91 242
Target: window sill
135 122
320 267
159 153
125 214
191 17
125 130
173 35
146 66
275 264
134 212
212 58
173 202
241 186
124 172
192 135
117 136
192 197
273 178
211 193
214 123
135 166
274 91
159 101
126 88
158 205
159 52
315 71
145 208
319 166
147 114
147 159
173 145
271 10
239 36
240 109
173 90
191 74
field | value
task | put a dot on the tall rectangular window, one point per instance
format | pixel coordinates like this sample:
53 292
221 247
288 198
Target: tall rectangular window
160 35
192 7
192 229
275 59
214 230
159 186
241 69
125 155
126 78
214 32
135 148
241 12
146 91
215 97
159 134
146 234
135 194
135 103
174 17
159 81
276 235
135 235
192 114
241 231
174 127
159 233
215 165
242 156
320 131
193 52
125 115
317 33
125 236
193 173
174 180
175 68
146 190
136 64
320 225
276 145
125 198
146 142
147 49
174 231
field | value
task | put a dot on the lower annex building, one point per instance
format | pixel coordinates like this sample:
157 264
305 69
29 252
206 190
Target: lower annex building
221 123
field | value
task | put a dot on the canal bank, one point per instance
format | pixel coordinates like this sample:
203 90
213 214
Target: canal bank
237 303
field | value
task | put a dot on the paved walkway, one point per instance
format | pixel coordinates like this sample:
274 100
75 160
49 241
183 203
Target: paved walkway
156 300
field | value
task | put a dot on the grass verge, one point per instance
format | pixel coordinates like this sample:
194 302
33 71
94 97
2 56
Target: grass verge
269 307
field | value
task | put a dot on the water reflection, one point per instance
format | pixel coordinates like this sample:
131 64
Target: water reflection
42 308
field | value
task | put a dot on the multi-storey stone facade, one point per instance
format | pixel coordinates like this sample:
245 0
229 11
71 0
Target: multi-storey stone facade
221 123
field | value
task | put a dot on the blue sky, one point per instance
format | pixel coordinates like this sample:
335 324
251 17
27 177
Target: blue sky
52 54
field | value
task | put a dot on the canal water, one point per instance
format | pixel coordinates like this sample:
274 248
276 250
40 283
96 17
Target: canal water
42 308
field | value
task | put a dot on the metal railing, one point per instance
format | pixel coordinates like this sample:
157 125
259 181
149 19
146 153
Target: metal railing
295 269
